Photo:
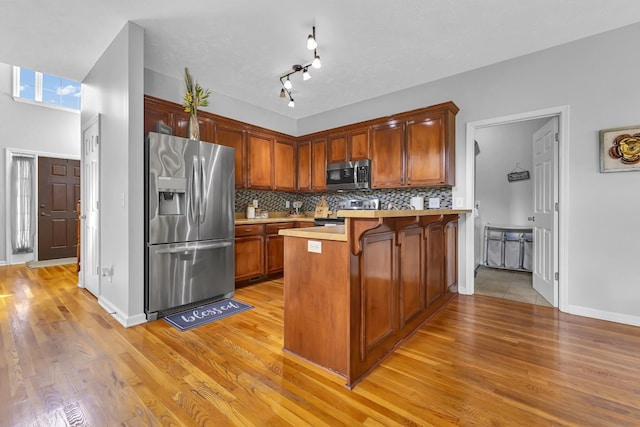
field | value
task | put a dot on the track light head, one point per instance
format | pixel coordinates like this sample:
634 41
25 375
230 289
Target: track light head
316 62
287 84
305 74
291 103
311 42
282 95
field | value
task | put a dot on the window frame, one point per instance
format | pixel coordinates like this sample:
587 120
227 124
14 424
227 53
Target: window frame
38 91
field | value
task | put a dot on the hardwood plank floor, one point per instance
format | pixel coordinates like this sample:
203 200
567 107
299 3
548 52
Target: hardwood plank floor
479 361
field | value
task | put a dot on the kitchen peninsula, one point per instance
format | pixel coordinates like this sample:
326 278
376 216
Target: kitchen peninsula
353 293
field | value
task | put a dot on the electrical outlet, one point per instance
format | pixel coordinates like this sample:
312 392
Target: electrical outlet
287 204
255 203
314 246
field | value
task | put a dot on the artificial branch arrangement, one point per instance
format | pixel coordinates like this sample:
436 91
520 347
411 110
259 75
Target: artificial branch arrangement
195 96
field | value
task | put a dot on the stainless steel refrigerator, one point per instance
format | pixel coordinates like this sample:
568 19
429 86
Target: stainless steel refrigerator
189 232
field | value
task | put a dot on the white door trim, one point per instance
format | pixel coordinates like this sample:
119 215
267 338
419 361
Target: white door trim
11 259
562 112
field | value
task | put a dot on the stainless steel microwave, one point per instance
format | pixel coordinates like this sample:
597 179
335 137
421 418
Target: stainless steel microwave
354 175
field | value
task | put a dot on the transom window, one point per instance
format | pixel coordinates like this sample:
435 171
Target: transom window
47 89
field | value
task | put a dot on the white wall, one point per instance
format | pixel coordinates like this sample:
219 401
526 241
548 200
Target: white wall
597 78
114 88
32 128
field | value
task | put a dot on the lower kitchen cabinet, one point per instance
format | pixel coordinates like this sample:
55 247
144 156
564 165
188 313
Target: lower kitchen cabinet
260 249
249 252
275 247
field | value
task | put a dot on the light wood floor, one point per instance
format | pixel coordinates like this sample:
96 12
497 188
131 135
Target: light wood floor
479 361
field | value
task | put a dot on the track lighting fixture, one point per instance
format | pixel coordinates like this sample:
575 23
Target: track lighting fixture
285 91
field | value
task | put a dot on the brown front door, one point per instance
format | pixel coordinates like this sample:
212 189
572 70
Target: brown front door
58 193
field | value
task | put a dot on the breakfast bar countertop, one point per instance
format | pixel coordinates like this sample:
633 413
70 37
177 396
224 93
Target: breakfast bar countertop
394 213
336 233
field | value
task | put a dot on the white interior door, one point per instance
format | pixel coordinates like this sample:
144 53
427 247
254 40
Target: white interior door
90 206
545 215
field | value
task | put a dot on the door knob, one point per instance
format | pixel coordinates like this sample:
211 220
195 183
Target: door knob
531 218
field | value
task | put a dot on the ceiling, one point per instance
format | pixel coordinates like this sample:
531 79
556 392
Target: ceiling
240 48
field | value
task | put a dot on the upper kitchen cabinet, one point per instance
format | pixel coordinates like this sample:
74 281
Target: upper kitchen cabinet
318 164
260 161
358 145
352 145
431 149
156 113
304 166
235 137
312 165
206 126
387 155
415 149
337 148
284 173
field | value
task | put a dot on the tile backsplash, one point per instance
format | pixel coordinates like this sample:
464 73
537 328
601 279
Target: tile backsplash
276 201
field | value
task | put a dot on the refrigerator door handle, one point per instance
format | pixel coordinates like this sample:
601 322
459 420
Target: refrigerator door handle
192 248
194 190
203 191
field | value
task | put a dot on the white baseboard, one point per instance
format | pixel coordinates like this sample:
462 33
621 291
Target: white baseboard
625 319
125 321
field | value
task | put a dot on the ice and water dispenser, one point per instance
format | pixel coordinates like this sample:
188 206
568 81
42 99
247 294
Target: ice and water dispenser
171 195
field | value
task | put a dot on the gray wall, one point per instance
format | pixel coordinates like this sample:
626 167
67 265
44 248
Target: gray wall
33 128
114 88
597 78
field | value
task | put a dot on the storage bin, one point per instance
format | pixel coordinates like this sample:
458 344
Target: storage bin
512 254
494 248
508 247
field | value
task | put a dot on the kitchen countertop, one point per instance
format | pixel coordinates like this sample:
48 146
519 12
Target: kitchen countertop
245 221
338 233
398 213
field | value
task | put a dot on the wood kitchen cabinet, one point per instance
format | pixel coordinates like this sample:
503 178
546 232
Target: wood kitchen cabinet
353 145
415 150
284 154
275 246
304 166
312 165
235 138
337 148
259 249
387 155
249 252
260 161
318 164
430 148
358 144
206 126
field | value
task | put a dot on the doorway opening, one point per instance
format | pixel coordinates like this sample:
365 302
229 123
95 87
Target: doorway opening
474 224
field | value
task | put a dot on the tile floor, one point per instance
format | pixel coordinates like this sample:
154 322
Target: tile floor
507 284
